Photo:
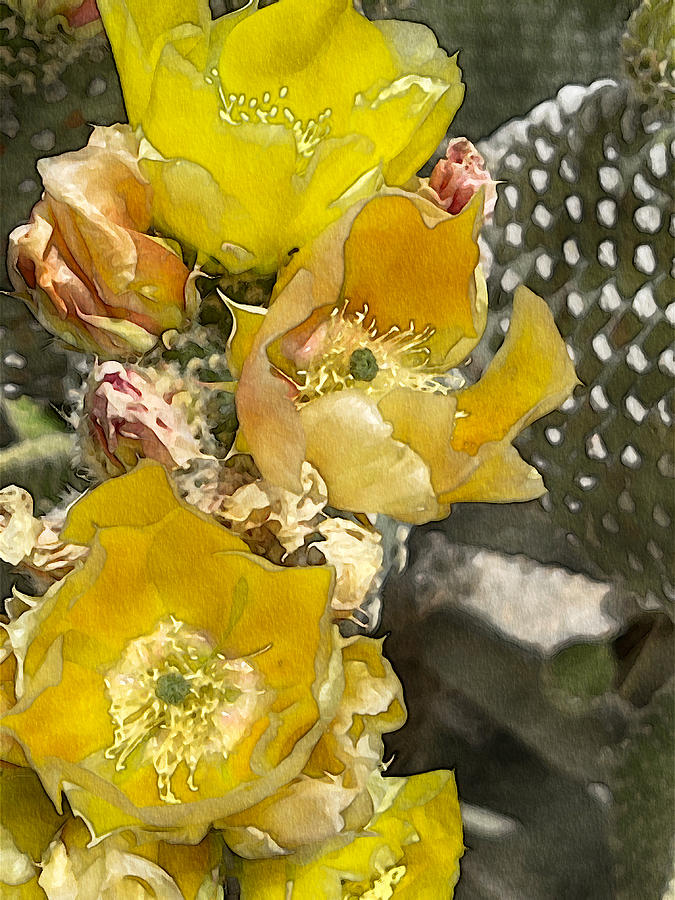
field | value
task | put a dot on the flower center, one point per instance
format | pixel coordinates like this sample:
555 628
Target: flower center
239 109
174 694
172 688
350 352
363 365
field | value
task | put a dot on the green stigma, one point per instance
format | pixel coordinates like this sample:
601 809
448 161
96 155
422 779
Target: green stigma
172 688
363 365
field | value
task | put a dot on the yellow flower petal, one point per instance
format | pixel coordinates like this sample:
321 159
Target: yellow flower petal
359 458
142 500
501 476
425 422
417 50
78 725
246 324
531 374
138 31
405 271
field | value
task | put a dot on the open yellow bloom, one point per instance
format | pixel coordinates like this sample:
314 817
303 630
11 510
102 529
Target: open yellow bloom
409 851
262 126
176 679
173 689
352 367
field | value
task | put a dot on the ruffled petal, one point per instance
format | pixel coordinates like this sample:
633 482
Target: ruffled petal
531 375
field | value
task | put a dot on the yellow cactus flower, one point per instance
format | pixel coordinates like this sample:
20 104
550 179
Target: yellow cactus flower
175 678
177 694
262 126
352 367
409 851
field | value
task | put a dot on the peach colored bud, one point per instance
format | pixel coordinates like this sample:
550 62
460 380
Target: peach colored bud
83 14
459 176
86 265
128 416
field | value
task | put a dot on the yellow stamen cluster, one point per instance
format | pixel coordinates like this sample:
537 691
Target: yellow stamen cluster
383 888
174 695
239 109
399 357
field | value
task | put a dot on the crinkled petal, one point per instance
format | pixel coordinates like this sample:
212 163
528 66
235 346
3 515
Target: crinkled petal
413 843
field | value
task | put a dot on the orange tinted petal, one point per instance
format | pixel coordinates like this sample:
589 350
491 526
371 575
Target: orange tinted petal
405 271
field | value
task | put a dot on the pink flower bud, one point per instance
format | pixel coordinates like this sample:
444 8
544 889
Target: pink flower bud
128 417
459 176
